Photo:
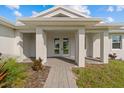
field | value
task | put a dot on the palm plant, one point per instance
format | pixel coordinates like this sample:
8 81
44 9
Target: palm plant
3 72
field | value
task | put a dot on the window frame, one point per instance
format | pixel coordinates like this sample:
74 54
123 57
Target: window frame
118 42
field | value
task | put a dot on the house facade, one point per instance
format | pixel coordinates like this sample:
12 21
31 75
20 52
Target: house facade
61 32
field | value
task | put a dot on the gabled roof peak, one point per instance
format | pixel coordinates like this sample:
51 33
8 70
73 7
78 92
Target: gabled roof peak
61 8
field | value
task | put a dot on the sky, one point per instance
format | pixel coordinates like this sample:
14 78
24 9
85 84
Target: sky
109 13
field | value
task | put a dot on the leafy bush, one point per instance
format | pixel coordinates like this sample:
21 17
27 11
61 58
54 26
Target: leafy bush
112 56
16 73
37 65
101 76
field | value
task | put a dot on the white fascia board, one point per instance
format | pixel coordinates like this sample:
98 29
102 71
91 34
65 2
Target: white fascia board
110 24
45 11
59 19
5 22
117 31
75 12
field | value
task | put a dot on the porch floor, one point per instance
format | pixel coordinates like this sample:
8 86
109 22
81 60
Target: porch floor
60 75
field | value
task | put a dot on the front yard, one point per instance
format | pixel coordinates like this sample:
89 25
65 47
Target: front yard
101 76
92 76
21 75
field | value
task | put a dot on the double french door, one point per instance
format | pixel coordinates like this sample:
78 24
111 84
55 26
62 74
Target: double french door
61 46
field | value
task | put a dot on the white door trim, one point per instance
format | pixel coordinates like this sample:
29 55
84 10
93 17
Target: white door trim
61 37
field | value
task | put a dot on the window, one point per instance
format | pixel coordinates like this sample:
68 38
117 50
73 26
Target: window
116 41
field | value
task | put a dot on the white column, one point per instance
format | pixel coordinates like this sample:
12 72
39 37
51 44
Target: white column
41 50
19 45
80 48
104 46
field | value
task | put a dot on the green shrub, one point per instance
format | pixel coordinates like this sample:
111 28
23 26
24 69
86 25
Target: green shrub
16 73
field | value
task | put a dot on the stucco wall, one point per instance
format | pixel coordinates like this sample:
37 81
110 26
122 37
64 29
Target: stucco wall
96 45
29 45
7 40
89 45
93 45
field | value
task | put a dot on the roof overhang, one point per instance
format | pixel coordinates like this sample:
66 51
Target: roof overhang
4 22
60 21
108 26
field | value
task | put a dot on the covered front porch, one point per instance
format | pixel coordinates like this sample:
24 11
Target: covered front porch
75 44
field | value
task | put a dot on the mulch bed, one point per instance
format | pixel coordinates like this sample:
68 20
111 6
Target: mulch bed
94 65
36 79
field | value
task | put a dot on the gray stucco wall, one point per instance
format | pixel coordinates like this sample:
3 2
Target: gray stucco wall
29 45
7 40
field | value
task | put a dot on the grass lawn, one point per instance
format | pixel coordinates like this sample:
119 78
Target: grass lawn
101 76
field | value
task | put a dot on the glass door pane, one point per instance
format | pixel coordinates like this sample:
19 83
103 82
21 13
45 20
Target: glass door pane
57 46
65 46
